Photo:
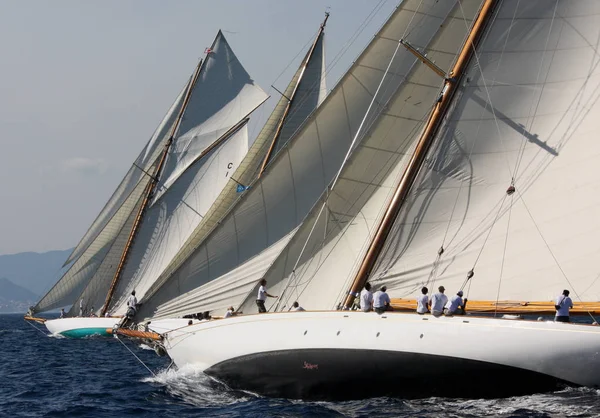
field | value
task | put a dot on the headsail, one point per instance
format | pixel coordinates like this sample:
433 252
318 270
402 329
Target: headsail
325 253
527 112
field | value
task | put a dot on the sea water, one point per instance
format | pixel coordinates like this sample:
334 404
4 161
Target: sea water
99 377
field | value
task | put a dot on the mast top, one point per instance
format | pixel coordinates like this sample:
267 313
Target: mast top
325 20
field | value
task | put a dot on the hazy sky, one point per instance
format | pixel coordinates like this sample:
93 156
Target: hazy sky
83 84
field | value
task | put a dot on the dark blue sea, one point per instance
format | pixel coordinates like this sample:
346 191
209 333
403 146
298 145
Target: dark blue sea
42 376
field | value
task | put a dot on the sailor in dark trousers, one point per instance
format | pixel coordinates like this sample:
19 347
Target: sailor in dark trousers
262 296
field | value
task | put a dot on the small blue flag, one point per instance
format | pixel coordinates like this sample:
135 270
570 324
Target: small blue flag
241 188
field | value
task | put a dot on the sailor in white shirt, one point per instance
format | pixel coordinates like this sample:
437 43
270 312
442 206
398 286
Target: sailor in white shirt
456 305
438 301
81 307
366 298
381 301
296 307
132 302
563 304
423 302
262 296
229 312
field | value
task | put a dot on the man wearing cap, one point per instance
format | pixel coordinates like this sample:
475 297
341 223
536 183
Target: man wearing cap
438 301
456 305
381 301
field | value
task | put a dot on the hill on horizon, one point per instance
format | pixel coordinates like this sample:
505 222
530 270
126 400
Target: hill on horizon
34 272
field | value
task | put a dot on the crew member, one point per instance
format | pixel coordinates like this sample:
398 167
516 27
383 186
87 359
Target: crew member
262 296
381 301
563 304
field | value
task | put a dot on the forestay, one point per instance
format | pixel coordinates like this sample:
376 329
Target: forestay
528 111
322 258
292 183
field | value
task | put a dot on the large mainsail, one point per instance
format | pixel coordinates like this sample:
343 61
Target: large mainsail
327 250
527 117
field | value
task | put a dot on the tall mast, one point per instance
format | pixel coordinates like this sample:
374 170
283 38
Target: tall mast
150 188
425 142
291 98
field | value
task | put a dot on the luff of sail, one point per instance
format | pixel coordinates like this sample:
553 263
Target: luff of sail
89 254
330 243
309 83
207 146
529 111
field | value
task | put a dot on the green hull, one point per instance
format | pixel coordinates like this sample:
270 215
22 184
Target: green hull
85 332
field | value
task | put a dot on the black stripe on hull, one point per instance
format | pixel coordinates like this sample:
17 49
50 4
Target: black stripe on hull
345 374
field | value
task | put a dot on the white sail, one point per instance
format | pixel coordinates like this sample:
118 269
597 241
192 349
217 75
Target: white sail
317 272
171 220
310 93
528 110
295 179
223 95
81 272
228 288
145 159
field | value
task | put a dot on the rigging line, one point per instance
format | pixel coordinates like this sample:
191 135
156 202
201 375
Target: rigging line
467 280
342 231
482 111
134 355
504 253
487 91
532 112
46 335
551 252
162 187
410 21
351 147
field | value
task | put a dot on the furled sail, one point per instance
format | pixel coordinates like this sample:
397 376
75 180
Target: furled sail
295 179
324 255
525 117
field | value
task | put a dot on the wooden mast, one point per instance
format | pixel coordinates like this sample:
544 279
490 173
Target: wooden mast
148 192
427 138
291 98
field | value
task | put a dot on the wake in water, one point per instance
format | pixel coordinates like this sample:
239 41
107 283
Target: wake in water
192 386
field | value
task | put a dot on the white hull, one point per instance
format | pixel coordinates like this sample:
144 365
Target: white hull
79 327
254 352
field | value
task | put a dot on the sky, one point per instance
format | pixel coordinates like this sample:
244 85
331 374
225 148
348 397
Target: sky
84 84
